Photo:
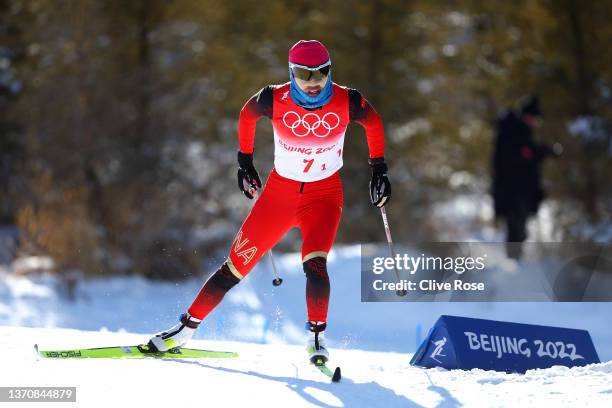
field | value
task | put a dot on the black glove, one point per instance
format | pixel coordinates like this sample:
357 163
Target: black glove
248 179
380 187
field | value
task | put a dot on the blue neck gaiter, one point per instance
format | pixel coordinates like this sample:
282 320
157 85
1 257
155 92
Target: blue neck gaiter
304 100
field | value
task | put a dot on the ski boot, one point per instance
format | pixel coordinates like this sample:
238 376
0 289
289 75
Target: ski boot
317 353
176 336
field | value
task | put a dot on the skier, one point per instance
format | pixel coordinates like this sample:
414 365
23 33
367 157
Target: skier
309 115
517 159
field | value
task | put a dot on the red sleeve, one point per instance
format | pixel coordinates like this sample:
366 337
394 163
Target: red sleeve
362 112
259 105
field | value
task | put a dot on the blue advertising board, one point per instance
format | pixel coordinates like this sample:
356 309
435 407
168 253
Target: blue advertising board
466 343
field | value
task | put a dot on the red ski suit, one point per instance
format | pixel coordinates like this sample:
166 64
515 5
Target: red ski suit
303 190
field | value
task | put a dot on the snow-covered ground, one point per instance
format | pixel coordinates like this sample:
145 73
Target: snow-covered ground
373 343
278 376
255 311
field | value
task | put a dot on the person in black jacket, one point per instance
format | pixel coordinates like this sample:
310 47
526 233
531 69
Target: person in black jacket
517 160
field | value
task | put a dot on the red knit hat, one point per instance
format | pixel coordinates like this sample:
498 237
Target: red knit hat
310 53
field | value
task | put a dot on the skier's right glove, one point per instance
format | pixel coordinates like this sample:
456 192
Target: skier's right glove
380 187
248 179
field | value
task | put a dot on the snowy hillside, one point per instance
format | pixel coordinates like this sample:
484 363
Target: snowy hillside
278 376
264 325
255 311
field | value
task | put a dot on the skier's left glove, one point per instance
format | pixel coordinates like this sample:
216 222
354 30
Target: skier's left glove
380 187
248 179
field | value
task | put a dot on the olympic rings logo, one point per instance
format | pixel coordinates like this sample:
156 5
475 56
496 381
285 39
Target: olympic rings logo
323 124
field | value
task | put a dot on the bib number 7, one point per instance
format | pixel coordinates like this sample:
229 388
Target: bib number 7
308 163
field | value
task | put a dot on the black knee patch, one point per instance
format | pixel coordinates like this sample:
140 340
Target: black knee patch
224 278
316 269
317 327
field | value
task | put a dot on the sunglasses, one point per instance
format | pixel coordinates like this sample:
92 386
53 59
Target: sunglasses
310 73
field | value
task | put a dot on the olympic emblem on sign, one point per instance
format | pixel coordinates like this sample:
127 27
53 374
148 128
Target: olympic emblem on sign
302 126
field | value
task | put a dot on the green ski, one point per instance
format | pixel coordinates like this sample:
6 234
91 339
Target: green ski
335 375
140 351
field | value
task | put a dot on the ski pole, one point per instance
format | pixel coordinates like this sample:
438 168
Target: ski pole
277 281
400 292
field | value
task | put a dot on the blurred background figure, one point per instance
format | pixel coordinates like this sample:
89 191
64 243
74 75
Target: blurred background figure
517 179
